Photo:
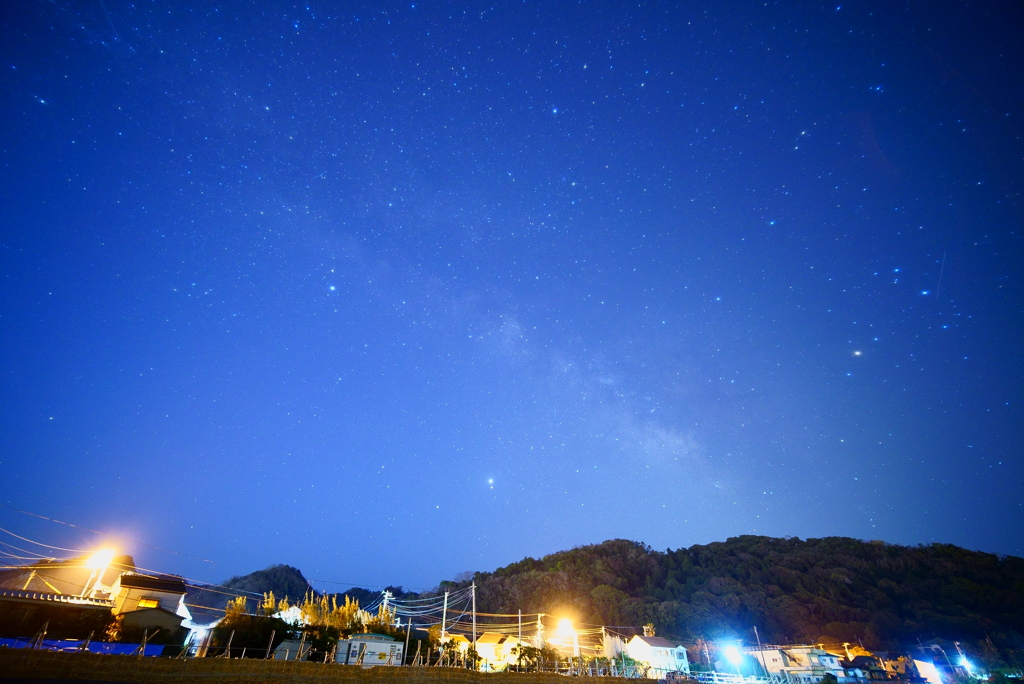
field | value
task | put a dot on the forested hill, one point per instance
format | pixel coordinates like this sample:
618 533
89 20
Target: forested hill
834 589
283 580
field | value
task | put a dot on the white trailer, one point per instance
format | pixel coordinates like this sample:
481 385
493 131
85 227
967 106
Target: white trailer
368 650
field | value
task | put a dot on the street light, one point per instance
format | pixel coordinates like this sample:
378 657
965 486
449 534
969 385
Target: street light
100 559
98 563
733 655
964 662
565 630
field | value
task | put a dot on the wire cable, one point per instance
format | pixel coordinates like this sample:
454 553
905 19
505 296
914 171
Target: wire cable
79 527
32 541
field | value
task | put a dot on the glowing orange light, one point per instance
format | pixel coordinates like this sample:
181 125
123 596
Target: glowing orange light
100 559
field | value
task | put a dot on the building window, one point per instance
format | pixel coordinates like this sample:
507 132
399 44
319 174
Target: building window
149 603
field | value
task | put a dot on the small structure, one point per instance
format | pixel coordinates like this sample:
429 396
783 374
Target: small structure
368 650
660 655
495 651
132 591
24 613
148 602
292 649
800 664
862 667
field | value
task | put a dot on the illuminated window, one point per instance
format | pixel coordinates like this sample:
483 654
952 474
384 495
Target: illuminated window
149 603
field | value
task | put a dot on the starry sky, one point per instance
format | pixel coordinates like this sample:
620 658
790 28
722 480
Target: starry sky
391 291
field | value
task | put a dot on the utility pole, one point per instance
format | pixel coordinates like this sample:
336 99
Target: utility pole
444 617
761 653
474 623
85 589
520 628
408 631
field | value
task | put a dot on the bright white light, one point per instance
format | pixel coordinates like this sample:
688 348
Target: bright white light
733 655
100 559
964 662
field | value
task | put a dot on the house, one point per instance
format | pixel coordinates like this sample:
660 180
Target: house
72 577
862 667
25 613
150 602
937 663
496 651
803 664
659 654
456 642
928 671
133 591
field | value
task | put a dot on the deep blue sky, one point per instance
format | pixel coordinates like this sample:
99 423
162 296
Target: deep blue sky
390 291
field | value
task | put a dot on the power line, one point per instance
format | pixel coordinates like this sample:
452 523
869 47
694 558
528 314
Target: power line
31 541
353 585
87 529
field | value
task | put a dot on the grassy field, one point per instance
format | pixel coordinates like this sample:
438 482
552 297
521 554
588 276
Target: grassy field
23 663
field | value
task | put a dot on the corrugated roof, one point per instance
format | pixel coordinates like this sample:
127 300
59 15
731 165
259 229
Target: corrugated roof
173 585
55 598
660 642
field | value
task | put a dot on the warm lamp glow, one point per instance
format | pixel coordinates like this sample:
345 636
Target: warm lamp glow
564 628
100 559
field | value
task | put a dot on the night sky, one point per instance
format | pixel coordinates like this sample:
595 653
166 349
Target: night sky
392 291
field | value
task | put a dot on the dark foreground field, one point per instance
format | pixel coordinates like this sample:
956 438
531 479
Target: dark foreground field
18 666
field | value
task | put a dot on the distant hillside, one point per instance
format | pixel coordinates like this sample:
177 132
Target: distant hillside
283 580
834 589
829 590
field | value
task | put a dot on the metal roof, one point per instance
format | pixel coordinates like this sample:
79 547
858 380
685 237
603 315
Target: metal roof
170 584
38 596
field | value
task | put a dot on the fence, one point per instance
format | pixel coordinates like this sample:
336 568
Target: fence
75 645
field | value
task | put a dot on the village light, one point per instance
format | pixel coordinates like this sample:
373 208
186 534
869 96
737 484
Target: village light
100 559
734 656
565 631
966 664
98 563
